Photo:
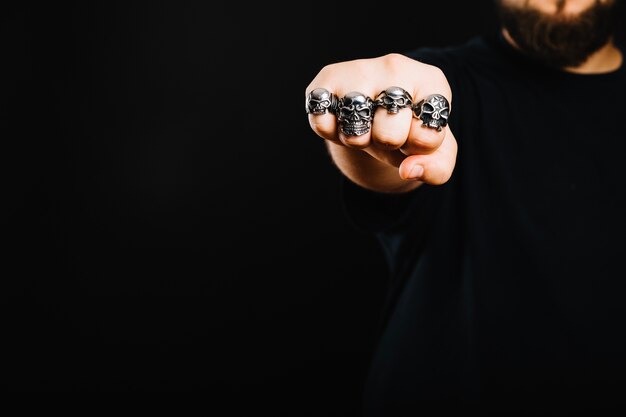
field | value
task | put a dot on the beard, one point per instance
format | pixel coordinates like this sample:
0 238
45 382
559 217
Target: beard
559 40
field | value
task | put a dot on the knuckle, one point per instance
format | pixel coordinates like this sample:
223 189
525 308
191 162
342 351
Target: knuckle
324 75
321 128
396 65
429 139
436 76
358 142
394 59
436 73
329 68
388 140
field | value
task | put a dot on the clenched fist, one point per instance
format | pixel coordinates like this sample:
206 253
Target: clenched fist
385 121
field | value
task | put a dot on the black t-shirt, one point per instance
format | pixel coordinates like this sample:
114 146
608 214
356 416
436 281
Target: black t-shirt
508 283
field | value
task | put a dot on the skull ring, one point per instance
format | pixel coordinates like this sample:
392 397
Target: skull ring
433 111
393 99
320 100
355 114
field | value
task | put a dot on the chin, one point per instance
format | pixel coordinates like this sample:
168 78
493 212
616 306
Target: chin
559 39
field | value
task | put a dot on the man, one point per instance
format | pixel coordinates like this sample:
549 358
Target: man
492 173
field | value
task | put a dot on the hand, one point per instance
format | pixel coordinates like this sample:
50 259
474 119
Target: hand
398 140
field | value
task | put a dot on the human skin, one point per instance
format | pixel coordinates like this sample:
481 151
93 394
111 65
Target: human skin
399 154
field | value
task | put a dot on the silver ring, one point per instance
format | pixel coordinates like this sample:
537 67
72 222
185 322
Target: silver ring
393 99
320 101
355 114
433 111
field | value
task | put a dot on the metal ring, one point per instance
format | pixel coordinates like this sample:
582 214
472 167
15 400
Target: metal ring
320 101
355 114
394 99
433 111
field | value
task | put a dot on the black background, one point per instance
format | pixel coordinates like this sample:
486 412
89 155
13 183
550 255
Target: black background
170 222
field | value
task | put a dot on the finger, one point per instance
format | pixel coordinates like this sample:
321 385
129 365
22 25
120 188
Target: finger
321 106
393 119
432 106
360 141
355 115
427 132
422 139
434 168
325 126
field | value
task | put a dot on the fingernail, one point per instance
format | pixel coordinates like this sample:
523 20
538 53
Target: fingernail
416 172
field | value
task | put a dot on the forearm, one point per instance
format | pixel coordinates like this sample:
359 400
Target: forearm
368 172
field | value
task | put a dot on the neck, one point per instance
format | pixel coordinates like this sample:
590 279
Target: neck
606 59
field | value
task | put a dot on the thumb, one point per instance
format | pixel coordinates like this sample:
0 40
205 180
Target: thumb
435 168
